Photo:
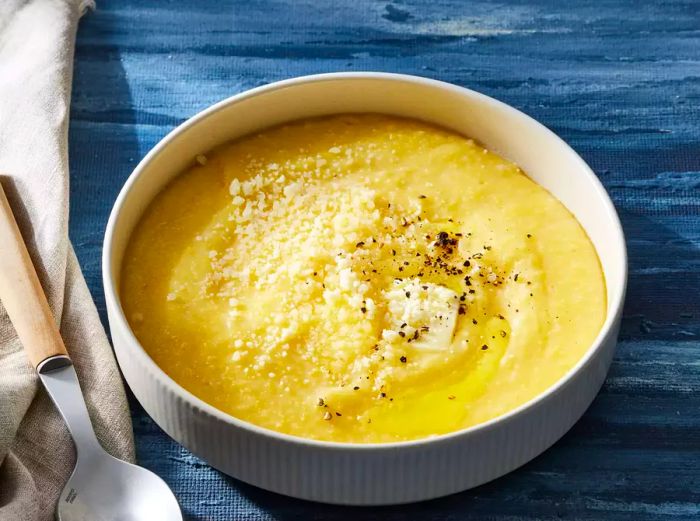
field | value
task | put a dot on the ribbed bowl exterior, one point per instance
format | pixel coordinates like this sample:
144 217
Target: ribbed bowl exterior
376 474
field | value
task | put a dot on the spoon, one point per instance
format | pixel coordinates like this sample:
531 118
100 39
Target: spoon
102 487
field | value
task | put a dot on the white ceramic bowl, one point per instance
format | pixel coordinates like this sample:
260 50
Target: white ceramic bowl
370 474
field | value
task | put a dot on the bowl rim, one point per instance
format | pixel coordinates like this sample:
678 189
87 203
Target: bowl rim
118 320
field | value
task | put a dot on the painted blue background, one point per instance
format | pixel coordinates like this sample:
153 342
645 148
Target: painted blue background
619 80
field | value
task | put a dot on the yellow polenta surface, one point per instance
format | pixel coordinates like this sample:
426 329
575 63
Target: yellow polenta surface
361 278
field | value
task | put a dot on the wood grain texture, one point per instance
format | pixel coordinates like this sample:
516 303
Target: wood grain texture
618 79
22 295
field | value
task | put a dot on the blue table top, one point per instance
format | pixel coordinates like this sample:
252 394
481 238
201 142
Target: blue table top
619 80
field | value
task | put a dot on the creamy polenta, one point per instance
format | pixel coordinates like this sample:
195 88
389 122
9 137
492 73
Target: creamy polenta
361 278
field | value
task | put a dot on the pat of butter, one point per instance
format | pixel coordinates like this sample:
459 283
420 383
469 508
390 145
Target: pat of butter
421 313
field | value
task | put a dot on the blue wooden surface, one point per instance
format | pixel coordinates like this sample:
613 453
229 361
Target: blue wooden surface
619 80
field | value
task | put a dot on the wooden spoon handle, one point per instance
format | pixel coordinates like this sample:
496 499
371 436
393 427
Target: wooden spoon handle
22 295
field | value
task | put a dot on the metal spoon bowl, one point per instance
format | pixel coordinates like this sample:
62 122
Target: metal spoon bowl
101 487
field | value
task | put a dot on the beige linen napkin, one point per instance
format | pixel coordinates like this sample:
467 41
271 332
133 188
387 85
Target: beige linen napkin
36 452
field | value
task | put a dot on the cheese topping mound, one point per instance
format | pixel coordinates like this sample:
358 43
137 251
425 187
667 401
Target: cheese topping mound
361 278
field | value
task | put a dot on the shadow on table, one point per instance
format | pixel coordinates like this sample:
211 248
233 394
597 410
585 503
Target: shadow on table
488 499
664 281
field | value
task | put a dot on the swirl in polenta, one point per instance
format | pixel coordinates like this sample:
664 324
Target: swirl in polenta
361 278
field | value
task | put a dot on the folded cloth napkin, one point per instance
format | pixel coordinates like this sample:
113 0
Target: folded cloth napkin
36 452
